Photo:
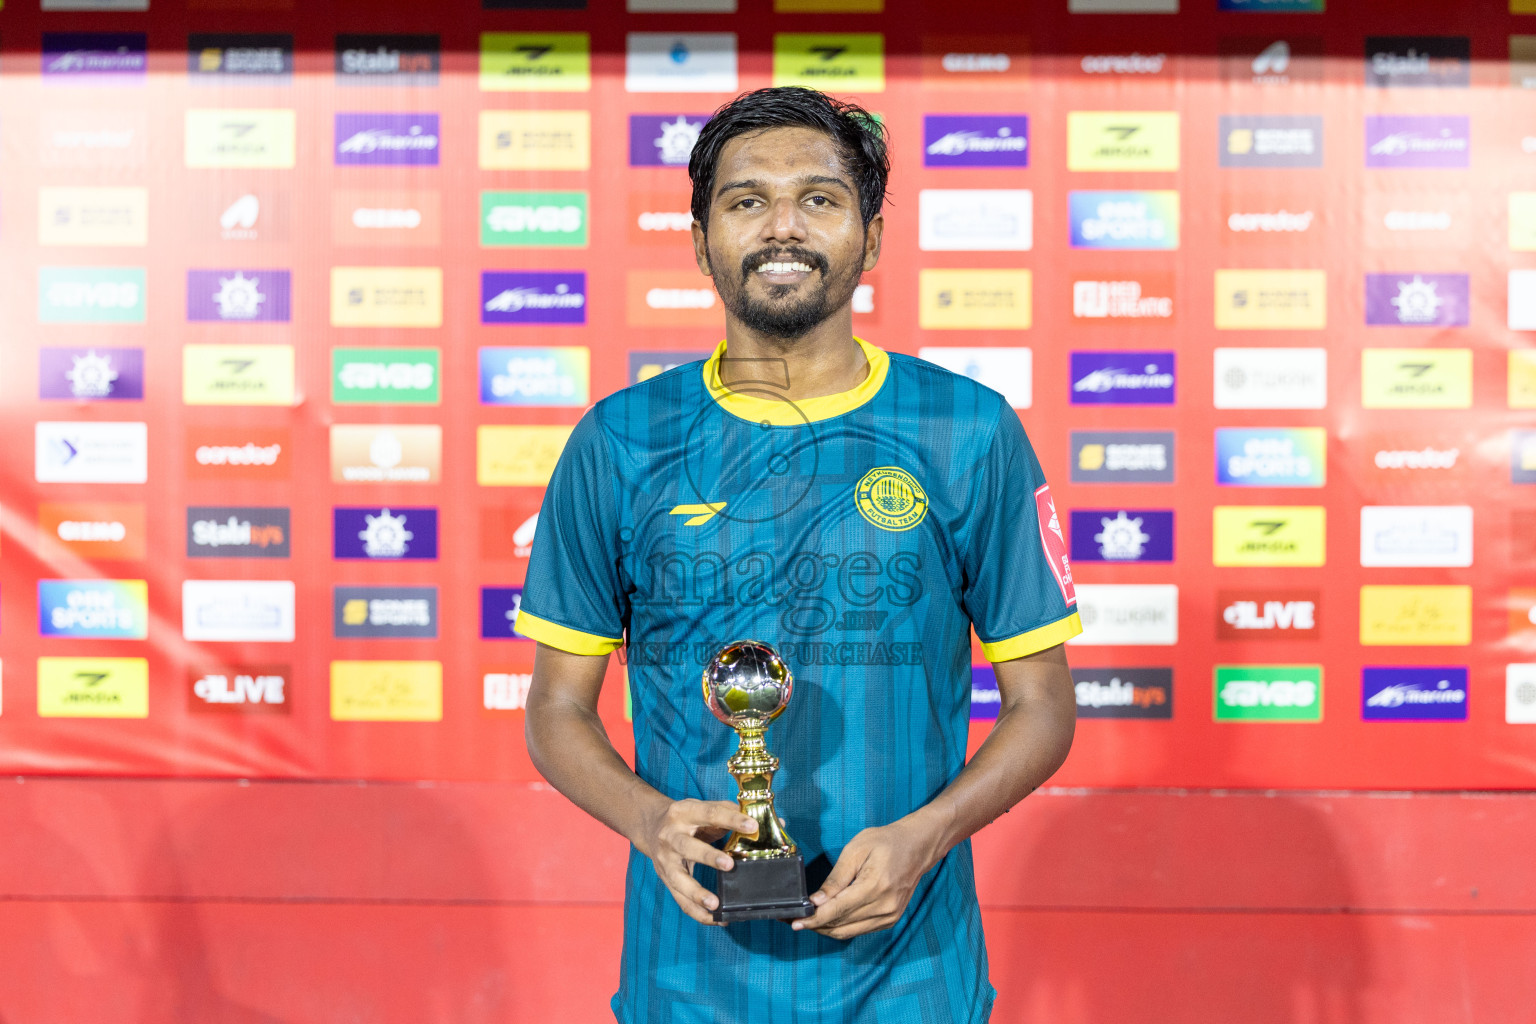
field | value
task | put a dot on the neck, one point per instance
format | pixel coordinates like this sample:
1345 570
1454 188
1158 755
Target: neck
823 361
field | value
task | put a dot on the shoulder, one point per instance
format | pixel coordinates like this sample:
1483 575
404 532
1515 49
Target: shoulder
962 401
635 415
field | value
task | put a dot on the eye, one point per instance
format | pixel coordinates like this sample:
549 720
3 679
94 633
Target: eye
820 201
747 202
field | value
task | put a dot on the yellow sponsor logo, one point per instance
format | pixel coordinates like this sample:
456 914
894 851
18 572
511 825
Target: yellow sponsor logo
1522 379
1522 6
237 375
1416 378
386 691
1522 221
1269 535
93 216
1416 616
517 456
1271 300
241 138
535 62
535 140
92 688
974 300
1122 140
386 296
837 62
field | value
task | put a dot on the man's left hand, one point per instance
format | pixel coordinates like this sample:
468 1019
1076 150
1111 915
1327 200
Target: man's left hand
872 881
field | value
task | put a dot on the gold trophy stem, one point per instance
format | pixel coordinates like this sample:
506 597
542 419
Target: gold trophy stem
752 766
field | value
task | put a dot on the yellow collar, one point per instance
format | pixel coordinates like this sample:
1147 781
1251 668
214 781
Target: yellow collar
763 403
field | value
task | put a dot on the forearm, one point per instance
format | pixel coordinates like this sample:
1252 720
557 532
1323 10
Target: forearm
572 751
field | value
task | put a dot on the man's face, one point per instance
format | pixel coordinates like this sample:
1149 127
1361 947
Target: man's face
786 245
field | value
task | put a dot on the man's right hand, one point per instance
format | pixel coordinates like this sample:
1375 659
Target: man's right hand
676 836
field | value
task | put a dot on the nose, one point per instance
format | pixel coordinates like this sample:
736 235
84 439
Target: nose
786 222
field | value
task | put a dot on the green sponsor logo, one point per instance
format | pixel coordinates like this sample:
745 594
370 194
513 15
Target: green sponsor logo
533 218
1269 693
385 376
90 295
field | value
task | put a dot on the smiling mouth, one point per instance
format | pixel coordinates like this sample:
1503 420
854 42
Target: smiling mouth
769 267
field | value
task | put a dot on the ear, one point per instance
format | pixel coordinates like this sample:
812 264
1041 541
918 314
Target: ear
701 249
872 236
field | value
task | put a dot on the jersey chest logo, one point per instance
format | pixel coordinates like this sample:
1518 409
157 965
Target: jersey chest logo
891 498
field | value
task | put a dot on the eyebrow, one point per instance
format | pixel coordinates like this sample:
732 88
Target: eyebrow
812 179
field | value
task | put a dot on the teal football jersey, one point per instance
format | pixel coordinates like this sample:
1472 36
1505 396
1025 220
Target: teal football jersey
862 535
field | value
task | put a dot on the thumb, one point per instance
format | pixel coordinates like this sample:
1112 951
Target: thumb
843 873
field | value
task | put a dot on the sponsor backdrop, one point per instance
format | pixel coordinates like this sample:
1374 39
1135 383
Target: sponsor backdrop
298 317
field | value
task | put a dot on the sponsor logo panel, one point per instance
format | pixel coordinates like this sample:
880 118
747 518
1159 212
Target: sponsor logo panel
535 376
95 530
241 139
1123 6
1123 692
221 531
1270 220
645 365
1418 220
659 218
553 219
1417 300
1522 221
1272 457
238 375
1268 535
507 528
1522 456
384 612
386 691
93 216
680 62
1271 140
1521 314
91 374
1425 616
1412 461
535 62
239 453
384 534
1127 614
396 140
412 60
1271 378
671 298
986 699
1124 220
1522 62
238 611
975 220
91 453
1271 61
239 296
1433 61
1402 693
386 217
1520 694
91 295
977 300
1116 140
1272 6
975 61
1123 378
1271 300
535 140
1006 370
498 613
1120 535
1133 65
975 140
1417 140
95 58
1124 298
1269 693
386 376
533 297
97 609
386 296
1259 613
80 138
517 456
1416 535
237 214
683 6
240 689
849 62
1522 379
663 140
392 453
1416 378
1122 456
240 58
92 688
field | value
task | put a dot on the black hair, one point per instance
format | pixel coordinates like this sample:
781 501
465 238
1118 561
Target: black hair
859 135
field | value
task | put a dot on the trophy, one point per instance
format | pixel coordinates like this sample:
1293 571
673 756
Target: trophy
747 685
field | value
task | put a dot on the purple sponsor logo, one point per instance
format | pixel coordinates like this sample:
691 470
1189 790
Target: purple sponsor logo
99 55
1417 141
533 297
1122 535
398 139
385 534
664 140
1416 300
238 296
975 140
87 374
1413 694
985 697
1123 378
498 610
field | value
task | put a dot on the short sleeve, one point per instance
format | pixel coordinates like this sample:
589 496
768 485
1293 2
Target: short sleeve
574 598
1018 582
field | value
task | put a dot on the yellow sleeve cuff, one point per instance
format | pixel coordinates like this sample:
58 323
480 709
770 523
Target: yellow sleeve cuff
1032 642
572 641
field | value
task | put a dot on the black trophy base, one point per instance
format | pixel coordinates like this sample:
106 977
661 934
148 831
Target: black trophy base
764 890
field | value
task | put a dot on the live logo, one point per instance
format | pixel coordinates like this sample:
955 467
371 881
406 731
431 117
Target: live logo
1259 613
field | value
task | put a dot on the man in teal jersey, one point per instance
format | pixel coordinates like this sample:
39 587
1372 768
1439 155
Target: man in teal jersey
858 510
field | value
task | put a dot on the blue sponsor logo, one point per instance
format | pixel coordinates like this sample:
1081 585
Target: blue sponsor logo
387 139
101 609
391 534
1124 220
533 297
1417 694
95 57
87 374
1122 535
985 698
663 140
498 610
1271 457
534 376
975 140
1123 378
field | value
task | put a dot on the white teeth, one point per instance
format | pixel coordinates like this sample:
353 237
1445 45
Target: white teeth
784 268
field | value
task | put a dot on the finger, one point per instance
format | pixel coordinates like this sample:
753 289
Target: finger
857 928
700 852
695 900
720 814
841 908
843 872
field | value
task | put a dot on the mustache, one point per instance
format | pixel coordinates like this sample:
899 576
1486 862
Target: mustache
793 254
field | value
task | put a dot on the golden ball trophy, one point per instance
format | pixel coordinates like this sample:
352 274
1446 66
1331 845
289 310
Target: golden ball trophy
747 685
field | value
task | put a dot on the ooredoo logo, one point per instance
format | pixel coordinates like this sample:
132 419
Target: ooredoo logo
238 453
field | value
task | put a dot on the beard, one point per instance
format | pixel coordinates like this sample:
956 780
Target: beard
780 314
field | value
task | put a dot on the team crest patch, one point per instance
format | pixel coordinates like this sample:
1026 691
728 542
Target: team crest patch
891 498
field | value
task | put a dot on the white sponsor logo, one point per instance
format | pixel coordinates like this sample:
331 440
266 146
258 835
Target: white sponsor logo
681 6
1416 535
683 62
1271 693
238 610
1283 615
1520 694
399 611
1122 6
376 140
1404 143
385 535
1423 458
91 531
1099 382
963 142
1128 614
238 221
386 376
1417 220
1522 300
93 295
513 300
1008 371
1271 378
507 691
218 688
1397 695
1272 62
238 455
522 537
91 453
386 218
1124 64
561 220
975 63
662 220
1118 300
680 298
977 220
1279 221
